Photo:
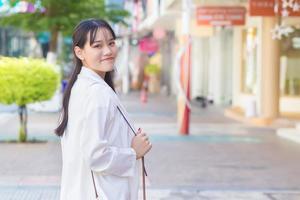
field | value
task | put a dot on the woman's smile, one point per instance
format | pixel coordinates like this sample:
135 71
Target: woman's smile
108 59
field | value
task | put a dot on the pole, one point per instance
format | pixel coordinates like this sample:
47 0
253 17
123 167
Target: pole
185 70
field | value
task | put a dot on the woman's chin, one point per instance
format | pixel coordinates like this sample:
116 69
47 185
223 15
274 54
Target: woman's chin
106 68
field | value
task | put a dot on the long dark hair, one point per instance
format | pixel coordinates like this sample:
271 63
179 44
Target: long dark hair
85 27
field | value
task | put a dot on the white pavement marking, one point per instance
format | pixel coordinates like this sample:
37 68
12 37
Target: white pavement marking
158 194
52 193
234 195
195 128
292 134
29 180
5 117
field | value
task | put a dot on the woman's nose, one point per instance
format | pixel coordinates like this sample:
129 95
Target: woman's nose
107 50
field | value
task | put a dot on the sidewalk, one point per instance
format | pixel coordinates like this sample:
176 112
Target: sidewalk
159 110
220 160
52 193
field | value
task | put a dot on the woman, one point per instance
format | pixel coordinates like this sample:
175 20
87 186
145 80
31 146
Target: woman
98 146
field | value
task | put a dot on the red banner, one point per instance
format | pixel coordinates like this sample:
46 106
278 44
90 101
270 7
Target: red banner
148 45
221 15
266 8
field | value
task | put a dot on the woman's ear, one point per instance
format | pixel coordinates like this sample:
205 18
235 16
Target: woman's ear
78 53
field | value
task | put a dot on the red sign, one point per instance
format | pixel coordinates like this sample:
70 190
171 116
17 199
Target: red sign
221 15
148 45
267 8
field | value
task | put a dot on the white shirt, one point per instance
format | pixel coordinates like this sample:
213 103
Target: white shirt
97 138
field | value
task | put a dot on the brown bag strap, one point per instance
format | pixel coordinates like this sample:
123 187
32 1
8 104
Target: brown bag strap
143 160
144 183
144 178
96 193
144 172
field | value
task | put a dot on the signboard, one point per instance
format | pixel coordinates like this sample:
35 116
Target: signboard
266 8
148 45
221 15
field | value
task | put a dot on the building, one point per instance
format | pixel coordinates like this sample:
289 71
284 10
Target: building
238 64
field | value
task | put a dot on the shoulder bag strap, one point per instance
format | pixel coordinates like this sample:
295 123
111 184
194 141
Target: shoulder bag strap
96 193
143 160
143 164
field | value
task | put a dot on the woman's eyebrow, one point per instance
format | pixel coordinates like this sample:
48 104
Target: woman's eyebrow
100 41
97 41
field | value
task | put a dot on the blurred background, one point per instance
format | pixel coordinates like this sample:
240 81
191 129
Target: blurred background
215 84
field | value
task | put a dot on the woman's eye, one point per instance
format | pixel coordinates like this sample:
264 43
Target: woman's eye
97 46
112 43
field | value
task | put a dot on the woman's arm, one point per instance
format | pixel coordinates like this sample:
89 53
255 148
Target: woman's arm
99 155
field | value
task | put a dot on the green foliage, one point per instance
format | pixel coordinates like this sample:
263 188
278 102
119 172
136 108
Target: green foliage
63 15
26 80
152 69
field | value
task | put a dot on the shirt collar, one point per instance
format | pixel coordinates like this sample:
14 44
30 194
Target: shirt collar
90 74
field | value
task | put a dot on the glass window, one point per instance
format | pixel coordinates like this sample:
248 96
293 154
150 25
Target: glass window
290 65
249 61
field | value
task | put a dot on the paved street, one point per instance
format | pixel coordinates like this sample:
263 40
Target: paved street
220 160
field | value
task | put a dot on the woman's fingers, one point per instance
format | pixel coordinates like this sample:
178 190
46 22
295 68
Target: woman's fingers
140 133
145 137
149 147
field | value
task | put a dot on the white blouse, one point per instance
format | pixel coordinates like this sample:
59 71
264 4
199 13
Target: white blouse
97 138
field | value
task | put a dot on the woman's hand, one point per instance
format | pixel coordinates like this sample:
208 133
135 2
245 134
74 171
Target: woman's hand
141 144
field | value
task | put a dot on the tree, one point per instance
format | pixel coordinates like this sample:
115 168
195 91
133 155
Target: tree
24 81
62 15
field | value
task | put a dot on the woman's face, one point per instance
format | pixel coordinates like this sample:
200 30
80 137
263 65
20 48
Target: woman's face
101 55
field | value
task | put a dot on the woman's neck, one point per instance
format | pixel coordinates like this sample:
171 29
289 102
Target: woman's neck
100 73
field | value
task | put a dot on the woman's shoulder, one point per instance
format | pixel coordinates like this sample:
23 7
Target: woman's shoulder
97 87
99 95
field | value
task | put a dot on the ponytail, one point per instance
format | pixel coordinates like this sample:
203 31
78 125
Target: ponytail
66 98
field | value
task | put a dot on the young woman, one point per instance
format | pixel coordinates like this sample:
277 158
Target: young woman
99 150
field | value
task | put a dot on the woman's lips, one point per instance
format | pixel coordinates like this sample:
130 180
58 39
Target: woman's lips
107 59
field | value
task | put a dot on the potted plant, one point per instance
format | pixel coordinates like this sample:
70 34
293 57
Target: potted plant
152 71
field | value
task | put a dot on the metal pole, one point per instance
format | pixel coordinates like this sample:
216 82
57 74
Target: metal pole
185 70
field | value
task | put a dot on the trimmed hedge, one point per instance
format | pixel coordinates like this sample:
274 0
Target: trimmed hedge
26 80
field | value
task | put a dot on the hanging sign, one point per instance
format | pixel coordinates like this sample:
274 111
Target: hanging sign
148 45
265 8
221 15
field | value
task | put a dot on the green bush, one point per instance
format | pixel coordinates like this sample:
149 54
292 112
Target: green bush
24 81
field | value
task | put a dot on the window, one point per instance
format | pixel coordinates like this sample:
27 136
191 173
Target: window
249 61
290 65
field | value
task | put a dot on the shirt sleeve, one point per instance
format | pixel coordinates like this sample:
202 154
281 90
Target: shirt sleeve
97 152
